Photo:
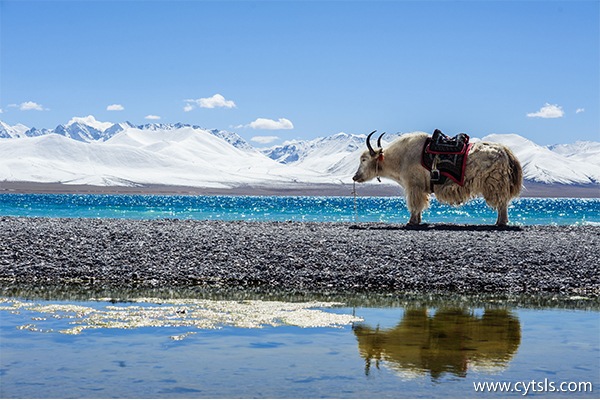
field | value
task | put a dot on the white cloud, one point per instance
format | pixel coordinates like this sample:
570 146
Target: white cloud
1 111
216 101
548 111
152 117
264 139
115 107
90 120
579 110
264 123
30 105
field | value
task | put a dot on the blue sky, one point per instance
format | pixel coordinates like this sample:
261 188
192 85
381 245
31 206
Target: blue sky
300 70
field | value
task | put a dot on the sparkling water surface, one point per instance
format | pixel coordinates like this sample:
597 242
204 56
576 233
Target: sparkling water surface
523 211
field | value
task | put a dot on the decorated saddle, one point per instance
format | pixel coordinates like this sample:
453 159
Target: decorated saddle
446 157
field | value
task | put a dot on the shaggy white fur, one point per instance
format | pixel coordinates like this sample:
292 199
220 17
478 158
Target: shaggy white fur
492 171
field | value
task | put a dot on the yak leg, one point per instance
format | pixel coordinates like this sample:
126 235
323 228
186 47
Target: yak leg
415 219
502 215
416 201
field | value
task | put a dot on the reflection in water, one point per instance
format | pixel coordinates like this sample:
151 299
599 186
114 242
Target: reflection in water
439 336
191 313
450 341
82 292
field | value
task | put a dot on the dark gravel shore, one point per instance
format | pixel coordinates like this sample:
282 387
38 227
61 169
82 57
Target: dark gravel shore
301 256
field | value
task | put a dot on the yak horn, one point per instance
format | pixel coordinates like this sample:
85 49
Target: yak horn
379 140
371 151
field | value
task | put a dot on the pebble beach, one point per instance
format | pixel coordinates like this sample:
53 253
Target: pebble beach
296 256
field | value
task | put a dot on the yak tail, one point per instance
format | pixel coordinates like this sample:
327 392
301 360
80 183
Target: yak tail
516 174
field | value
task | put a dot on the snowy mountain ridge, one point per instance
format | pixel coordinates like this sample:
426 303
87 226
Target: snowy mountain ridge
88 129
576 163
86 151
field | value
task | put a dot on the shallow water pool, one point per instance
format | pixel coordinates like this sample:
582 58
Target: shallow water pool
356 347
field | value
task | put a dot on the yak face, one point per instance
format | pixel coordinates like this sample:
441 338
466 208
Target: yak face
370 161
367 169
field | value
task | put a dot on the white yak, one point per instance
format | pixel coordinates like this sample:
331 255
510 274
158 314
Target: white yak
492 171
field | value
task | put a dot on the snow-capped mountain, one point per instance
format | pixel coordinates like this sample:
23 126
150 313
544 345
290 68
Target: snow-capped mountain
16 131
172 155
87 151
316 154
581 151
337 155
541 164
116 128
88 129
79 131
232 138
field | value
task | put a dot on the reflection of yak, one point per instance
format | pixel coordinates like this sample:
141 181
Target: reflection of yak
450 341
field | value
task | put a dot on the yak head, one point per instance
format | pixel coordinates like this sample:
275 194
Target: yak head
370 161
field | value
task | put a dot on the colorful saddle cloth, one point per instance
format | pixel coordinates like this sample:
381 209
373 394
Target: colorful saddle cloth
446 157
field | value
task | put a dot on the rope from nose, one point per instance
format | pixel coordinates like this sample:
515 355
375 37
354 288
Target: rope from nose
355 205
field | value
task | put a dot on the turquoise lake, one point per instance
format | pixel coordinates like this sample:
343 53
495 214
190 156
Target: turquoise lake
523 211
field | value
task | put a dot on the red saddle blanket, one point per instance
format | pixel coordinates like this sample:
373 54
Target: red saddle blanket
446 157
